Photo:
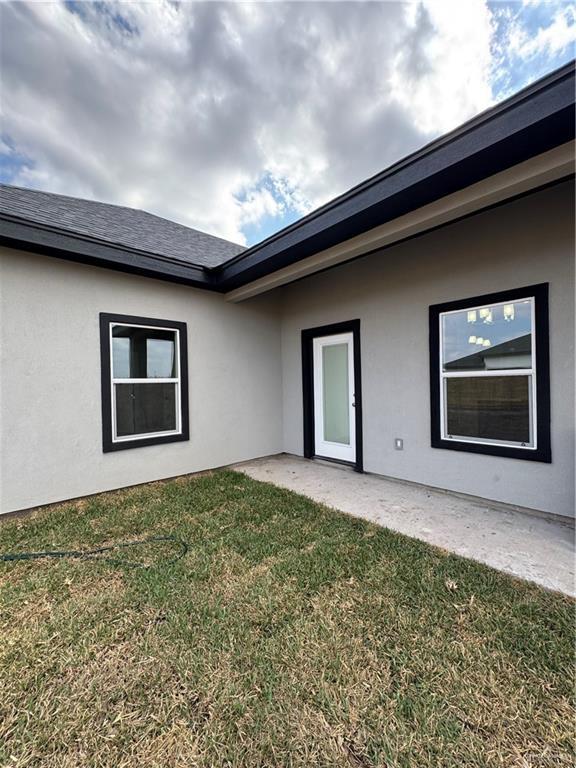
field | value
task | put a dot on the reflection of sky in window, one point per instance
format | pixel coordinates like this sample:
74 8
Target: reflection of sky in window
159 358
457 330
121 357
159 361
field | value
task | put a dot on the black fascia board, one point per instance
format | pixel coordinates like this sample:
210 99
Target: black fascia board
25 235
536 120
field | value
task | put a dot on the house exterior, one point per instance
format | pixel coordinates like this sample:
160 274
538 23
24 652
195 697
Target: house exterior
420 326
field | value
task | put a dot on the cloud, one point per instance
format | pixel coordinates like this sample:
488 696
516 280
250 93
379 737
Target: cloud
443 69
232 117
551 39
530 39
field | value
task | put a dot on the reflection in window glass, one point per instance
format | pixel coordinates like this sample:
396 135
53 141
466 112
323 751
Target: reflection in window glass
490 338
145 408
160 358
121 357
489 408
143 353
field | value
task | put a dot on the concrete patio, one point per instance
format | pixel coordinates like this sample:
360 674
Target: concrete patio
525 545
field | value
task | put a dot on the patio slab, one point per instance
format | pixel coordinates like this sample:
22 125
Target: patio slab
534 548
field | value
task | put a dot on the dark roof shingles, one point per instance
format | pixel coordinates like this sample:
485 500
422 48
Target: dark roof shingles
117 225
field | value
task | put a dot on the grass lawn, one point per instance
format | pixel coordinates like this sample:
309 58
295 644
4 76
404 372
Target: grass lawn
290 635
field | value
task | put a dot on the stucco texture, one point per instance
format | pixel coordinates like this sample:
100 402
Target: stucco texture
245 374
50 404
524 242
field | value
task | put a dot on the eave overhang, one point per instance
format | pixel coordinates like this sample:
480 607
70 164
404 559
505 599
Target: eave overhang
518 146
542 171
533 122
27 236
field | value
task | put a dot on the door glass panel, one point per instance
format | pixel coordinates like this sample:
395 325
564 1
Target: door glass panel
336 393
489 407
489 338
144 408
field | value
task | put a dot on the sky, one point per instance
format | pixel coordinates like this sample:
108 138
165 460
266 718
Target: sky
239 118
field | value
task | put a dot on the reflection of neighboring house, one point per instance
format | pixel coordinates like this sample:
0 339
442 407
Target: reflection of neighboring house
515 353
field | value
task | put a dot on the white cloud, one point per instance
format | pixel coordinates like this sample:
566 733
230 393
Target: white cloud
5 149
220 115
552 39
257 204
442 72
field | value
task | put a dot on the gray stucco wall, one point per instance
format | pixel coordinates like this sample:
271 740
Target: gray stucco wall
525 242
50 418
245 361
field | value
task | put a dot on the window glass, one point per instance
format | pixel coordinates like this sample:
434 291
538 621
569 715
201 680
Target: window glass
489 338
145 408
121 357
143 353
489 408
160 363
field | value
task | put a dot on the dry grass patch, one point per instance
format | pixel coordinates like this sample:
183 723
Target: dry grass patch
290 635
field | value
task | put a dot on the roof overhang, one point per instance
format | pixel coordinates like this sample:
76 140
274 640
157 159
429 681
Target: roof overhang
532 123
538 172
27 236
512 149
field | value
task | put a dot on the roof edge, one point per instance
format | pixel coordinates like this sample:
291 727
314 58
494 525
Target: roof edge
531 122
486 115
122 207
24 235
527 124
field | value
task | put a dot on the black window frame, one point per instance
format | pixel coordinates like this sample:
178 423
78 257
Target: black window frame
542 452
108 443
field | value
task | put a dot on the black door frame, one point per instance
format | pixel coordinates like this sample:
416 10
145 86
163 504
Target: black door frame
308 336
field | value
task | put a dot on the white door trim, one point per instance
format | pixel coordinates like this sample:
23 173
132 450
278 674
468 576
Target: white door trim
324 448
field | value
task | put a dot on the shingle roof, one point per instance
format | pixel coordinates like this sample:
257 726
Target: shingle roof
117 225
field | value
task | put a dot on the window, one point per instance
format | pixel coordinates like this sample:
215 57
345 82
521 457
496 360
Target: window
144 381
489 374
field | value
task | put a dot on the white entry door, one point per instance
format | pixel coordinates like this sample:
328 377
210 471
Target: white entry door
334 419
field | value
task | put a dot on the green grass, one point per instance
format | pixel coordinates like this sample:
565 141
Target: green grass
290 635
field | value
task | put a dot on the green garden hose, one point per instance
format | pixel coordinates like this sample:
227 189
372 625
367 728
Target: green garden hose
15 556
